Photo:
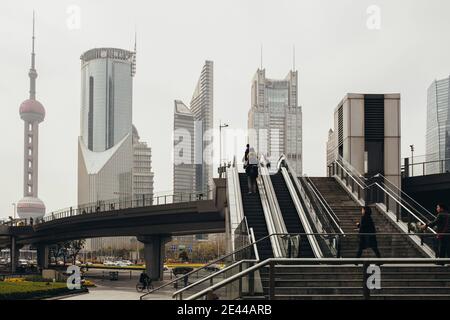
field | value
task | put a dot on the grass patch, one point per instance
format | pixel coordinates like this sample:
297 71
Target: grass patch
32 290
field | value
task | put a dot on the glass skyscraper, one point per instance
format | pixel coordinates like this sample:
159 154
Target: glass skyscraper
193 137
438 127
113 163
276 118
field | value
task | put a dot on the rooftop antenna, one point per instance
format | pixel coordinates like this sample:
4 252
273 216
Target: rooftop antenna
293 58
32 73
133 64
261 58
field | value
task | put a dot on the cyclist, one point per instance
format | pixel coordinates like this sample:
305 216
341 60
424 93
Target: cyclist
145 280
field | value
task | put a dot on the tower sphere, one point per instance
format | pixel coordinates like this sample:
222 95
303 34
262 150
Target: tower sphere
30 207
32 110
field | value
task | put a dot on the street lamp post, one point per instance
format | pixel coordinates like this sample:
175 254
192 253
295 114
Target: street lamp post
220 145
412 159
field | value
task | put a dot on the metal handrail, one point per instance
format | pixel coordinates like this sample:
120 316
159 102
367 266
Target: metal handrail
236 211
393 186
276 248
322 261
209 277
312 212
205 266
254 243
275 235
330 213
276 214
365 187
301 214
112 205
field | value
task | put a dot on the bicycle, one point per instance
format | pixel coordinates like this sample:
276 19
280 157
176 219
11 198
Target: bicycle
140 287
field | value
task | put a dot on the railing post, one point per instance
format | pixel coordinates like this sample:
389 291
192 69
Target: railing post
271 280
366 290
251 284
240 281
409 223
338 244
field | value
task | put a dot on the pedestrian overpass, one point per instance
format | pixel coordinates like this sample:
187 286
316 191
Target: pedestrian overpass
295 238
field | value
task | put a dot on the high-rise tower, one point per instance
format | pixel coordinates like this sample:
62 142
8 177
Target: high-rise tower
105 156
438 127
193 138
276 118
32 112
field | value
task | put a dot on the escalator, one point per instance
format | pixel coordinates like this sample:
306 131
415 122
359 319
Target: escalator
290 215
254 213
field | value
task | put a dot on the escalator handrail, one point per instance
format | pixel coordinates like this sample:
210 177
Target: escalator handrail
301 214
268 218
330 214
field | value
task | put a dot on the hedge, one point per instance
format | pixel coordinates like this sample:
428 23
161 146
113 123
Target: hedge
33 290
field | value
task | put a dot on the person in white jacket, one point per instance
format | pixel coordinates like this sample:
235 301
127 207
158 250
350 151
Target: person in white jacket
252 170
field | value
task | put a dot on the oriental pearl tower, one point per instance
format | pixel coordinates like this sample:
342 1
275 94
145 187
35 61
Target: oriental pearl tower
32 113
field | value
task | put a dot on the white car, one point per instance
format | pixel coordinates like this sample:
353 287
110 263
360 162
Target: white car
23 262
109 263
121 264
127 262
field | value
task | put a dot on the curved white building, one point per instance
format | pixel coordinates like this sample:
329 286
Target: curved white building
105 155
32 112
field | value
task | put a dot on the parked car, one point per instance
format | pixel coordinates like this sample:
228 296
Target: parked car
23 263
109 263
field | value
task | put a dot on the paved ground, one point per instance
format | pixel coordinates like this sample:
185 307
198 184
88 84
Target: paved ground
122 289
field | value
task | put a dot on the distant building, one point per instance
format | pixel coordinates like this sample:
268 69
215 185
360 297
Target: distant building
438 127
105 147
183 162
331 149
32 112
142 171
195 124
113 164
367 134
276 118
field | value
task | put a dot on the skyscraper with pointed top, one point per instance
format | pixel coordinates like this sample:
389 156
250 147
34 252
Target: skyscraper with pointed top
32 112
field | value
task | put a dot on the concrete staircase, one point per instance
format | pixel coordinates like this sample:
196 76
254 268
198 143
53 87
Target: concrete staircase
346 282
349 213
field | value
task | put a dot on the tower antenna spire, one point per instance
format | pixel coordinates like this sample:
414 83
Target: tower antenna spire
32 73
293 58
261 57
133 65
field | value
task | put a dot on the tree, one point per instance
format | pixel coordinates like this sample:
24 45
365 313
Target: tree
56 250
75 246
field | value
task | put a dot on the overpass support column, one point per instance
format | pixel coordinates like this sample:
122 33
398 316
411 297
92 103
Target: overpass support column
42 256
14 254
154 255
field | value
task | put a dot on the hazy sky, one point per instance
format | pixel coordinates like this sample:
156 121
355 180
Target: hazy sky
336 53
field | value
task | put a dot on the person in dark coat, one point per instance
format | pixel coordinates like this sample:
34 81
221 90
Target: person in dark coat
245 159
367 230
442 222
